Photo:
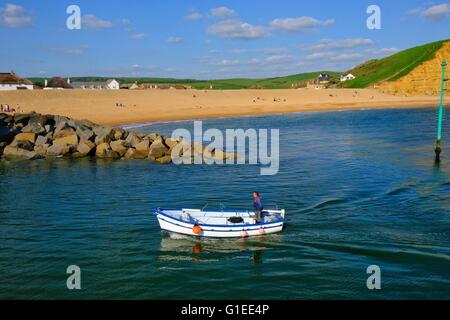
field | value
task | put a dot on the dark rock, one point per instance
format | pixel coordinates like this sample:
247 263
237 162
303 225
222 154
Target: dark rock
23 117
38 119
25 145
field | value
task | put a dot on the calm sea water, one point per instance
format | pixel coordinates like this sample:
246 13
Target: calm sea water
360 188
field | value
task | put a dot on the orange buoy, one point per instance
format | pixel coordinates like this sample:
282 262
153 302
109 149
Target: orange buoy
197 230
197 249
244 234
262 231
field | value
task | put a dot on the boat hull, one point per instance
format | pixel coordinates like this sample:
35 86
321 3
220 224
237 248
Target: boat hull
172 225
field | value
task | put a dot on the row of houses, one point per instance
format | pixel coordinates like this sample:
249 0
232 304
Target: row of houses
10 81
326 78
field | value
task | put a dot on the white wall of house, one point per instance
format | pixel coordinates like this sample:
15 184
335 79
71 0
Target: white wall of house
113 85
347 77
12 87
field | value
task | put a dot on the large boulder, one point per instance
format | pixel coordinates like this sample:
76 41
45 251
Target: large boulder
154 136
33 128
41 140
38 119
142 149
66 137
58 150
119 134
14 153
86 148
131 154
158 150
133 139
104 151
41 150
103 135
29 136
170 142
120 147
85 133
62 124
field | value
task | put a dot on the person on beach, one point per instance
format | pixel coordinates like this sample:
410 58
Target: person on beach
258 206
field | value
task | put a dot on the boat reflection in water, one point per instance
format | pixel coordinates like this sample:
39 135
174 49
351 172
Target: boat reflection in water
175 247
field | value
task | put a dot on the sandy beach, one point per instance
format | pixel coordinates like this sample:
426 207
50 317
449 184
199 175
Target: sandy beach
165 105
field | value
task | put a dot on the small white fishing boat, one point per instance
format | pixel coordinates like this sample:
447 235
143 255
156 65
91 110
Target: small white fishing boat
220 224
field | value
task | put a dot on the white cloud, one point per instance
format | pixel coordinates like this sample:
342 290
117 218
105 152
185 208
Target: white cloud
227 63
388 51
174 40
437 12
138 36
341 44
279 58
194 16
235 29
334 57
434 13
90 21
125 21
69 50
300 24
14 16
222 12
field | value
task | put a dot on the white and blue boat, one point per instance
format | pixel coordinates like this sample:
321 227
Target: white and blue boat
220 224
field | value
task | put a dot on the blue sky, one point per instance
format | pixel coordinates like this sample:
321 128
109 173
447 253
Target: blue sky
207 39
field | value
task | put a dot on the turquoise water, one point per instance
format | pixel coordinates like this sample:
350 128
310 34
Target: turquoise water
360 188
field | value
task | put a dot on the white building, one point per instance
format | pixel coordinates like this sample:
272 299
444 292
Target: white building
10 81
347 77
112 84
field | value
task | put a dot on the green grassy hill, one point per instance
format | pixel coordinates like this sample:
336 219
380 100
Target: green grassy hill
392 67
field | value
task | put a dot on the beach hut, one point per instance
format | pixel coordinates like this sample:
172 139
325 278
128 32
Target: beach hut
10 81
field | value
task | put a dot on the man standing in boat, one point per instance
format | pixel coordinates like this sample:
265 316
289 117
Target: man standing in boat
258 206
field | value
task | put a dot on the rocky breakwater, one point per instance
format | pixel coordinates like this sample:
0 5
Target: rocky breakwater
35 136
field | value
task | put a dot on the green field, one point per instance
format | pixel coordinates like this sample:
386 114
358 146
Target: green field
227 84
393 67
